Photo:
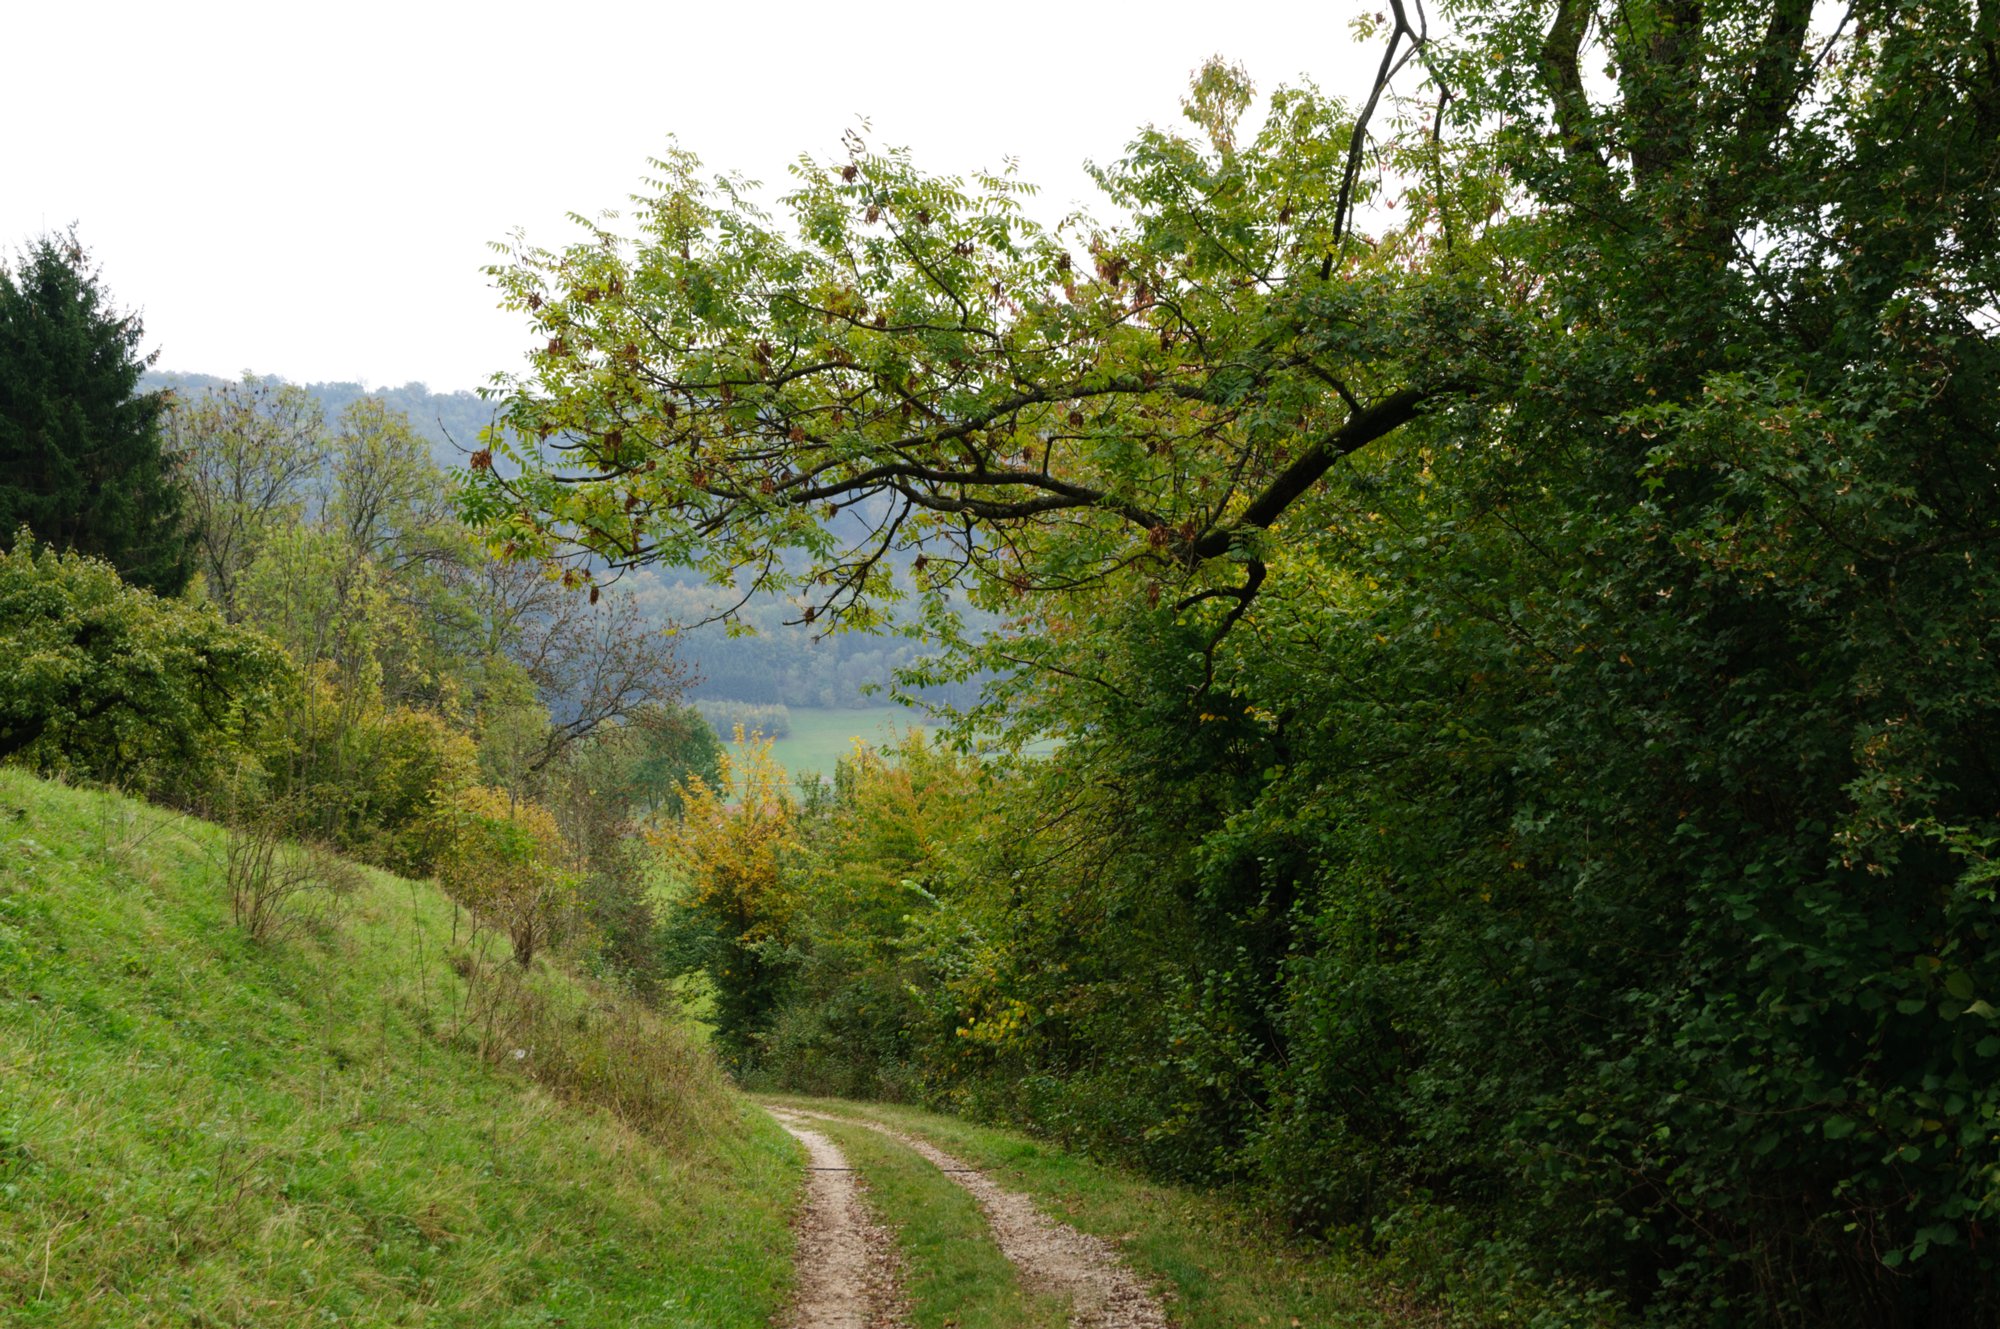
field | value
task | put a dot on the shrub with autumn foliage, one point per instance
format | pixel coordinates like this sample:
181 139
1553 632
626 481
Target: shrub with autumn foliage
883 941
362 775
725 904
505 860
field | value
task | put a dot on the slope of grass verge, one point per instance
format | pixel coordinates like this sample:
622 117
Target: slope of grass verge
369 1121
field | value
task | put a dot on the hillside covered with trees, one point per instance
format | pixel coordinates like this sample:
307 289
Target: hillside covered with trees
779 661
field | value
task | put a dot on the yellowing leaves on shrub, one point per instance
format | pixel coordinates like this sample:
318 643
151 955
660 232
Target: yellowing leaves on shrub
722 855
505 859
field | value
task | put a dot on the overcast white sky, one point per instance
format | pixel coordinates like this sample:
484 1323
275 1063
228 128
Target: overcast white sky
308 190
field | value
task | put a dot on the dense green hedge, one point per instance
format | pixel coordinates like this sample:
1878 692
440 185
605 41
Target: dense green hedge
106 681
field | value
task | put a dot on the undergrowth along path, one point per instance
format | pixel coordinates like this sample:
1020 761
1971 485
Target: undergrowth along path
847 1262
1052 1256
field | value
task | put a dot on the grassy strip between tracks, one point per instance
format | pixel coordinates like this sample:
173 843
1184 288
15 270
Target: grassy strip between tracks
1216 1268
955 1277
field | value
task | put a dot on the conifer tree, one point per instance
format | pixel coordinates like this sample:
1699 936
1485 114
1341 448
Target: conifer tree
81 460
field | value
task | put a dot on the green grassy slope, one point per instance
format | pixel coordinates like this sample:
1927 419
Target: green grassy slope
197 1129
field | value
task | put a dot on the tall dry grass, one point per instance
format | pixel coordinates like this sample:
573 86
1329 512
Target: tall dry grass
587 1043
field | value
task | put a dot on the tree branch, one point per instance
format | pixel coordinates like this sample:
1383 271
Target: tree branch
1361 429
1562 76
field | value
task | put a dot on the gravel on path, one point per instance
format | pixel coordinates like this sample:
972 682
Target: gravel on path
1052 1256
847 1262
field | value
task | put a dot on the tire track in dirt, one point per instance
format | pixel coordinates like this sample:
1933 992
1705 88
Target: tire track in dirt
1052 1256
847 1262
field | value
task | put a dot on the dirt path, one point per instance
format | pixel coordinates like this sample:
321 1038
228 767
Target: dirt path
847 1261
1052 1256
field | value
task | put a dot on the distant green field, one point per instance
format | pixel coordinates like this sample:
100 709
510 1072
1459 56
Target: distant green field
820 738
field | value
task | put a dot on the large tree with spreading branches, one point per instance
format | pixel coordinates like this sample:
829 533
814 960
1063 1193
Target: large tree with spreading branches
1514 556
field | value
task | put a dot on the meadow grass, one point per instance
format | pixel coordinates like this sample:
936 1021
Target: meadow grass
821 737
333 1128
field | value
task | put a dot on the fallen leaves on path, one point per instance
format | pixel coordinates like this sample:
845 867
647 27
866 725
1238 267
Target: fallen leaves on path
847 1262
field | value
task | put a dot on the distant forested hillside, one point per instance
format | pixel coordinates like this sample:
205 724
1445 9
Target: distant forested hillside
781 663
450 421
784 661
